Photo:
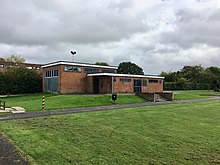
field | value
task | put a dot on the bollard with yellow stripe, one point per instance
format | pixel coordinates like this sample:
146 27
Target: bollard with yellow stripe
42 103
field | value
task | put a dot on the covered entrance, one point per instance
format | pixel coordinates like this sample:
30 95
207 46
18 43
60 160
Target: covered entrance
102 84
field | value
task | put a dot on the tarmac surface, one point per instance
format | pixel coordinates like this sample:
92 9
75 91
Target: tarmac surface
92 109
9 154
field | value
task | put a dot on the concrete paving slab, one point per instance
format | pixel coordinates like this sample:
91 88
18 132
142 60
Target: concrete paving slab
17 111
2 111
18 108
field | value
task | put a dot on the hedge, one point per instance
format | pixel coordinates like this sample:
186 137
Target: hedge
20 81
187 86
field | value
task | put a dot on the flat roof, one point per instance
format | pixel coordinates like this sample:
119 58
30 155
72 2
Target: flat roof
78 64
123 75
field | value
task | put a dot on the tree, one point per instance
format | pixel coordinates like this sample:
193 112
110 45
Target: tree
130 68
20 80
2 59
192 73
15 59
102 63
169 76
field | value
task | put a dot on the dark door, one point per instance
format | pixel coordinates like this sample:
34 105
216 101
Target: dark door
51 85
95 85
137 86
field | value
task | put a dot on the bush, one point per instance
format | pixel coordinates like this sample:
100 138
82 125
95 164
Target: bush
19 81
186 86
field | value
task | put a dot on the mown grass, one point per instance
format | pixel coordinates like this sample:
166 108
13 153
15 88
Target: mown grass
193 94
33 102
167 134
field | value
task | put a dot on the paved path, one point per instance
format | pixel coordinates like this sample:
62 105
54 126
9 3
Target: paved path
9 155
91 109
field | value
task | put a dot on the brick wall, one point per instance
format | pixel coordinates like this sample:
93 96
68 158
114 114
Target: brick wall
78 82
128 87
123 87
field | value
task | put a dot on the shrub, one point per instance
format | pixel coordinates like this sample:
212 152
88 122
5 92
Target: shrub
19 81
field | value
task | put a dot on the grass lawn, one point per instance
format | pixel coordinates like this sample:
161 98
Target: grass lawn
167 134
193 94
33 102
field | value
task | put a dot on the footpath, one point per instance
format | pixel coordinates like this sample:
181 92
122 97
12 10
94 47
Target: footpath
92 109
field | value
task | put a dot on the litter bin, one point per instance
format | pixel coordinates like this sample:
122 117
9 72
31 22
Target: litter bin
114 97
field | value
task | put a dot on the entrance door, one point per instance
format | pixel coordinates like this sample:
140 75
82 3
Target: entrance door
95 85
51 85
137 86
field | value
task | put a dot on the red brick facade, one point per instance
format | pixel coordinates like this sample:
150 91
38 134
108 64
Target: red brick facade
85 83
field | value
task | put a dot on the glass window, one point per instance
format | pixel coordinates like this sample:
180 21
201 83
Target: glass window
125 80
107 71
55 73
72 69
51 73
114 79
91 70
153 81
145 83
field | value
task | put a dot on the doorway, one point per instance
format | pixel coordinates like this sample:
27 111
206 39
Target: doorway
137 86
95 85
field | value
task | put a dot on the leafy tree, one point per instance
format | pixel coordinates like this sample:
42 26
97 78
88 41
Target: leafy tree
20 80
170 76
130 68
2 59
102 63
192 73
192 77
15 59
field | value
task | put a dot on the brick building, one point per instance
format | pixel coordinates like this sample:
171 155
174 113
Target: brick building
5 65
73 77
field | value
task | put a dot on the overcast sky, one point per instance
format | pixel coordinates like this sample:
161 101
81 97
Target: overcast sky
158 35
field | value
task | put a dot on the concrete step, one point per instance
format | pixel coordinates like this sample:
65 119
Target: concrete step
159 98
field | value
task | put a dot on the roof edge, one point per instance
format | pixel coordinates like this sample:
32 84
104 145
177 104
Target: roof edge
123 75
78 64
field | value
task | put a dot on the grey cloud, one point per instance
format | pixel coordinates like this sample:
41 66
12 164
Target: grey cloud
157 35
195 28
38 24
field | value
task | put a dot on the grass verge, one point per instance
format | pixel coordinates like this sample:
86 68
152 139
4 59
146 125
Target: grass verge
193 94
167 134
33 102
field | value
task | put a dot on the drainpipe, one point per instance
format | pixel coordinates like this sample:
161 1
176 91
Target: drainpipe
112 85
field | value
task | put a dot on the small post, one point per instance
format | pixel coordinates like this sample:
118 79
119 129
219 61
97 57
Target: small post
42 103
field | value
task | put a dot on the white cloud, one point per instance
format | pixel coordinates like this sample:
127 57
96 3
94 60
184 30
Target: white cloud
156 34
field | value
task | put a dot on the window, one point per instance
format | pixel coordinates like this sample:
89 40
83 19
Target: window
145 83
153 81
55 73
72 69
108 71
1 65
91 70
114 79
51 73
125 80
